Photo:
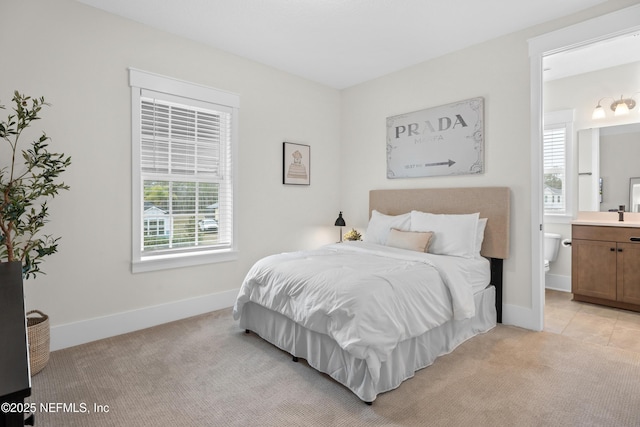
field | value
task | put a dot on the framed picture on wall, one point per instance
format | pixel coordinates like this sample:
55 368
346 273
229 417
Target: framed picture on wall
444 140
296 164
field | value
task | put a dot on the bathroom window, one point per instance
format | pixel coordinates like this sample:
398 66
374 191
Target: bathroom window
557 155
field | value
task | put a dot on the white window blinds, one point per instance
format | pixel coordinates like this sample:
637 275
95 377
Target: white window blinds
185 169
554 149
179 139
555 161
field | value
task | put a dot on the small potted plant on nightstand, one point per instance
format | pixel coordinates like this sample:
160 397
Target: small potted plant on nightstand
28 178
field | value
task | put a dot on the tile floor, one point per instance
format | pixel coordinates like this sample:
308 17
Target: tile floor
592 323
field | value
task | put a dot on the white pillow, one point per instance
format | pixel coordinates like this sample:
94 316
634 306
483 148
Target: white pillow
482 224
453 234
380 225
411 240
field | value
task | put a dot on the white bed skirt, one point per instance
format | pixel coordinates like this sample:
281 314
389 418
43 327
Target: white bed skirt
323 353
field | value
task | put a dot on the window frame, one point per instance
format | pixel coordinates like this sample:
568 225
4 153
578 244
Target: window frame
557 119
142 80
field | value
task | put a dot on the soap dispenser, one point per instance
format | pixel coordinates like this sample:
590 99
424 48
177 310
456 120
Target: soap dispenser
621 213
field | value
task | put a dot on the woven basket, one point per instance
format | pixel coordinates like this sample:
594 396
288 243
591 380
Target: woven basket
38 332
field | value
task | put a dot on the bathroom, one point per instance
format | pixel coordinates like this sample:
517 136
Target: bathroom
601 153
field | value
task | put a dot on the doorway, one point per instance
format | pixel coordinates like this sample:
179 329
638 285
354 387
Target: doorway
606 27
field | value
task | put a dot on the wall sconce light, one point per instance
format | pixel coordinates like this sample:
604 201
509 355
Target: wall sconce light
340 223
620 107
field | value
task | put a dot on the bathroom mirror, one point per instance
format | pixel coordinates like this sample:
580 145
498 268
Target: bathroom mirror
608 168
634 194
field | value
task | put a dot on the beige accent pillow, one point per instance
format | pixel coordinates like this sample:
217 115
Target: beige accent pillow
412 240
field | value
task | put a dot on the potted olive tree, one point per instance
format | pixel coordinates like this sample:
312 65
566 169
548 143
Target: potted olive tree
28 178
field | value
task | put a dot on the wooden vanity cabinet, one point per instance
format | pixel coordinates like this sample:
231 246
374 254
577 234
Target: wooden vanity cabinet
605 265
629 273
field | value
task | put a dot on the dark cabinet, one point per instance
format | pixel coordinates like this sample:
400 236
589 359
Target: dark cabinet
15 381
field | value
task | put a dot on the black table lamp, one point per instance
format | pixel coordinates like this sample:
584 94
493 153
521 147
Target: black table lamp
340 223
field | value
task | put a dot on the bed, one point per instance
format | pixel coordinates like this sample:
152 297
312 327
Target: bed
398 309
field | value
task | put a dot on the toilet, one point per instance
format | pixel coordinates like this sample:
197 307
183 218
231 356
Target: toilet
551 245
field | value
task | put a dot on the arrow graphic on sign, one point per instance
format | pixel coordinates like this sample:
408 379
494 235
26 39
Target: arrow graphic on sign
449 163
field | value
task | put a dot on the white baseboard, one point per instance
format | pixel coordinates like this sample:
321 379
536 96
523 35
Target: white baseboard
523 317
557 282
84 331
519 316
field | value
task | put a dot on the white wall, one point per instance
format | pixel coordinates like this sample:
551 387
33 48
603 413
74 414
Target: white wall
77 58
582 93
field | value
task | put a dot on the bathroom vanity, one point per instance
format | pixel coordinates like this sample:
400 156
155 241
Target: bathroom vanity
605 260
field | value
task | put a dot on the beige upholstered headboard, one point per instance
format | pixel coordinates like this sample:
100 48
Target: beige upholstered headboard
492 203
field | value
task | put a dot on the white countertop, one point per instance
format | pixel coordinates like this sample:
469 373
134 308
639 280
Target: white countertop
608 219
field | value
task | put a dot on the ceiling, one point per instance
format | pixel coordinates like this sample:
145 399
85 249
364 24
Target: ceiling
341 43
608 53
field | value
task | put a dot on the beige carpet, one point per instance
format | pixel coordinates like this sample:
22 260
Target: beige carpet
205 371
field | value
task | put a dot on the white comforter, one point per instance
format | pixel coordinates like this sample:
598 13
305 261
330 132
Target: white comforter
367 297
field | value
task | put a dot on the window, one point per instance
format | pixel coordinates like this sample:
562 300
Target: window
184 145
557 154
